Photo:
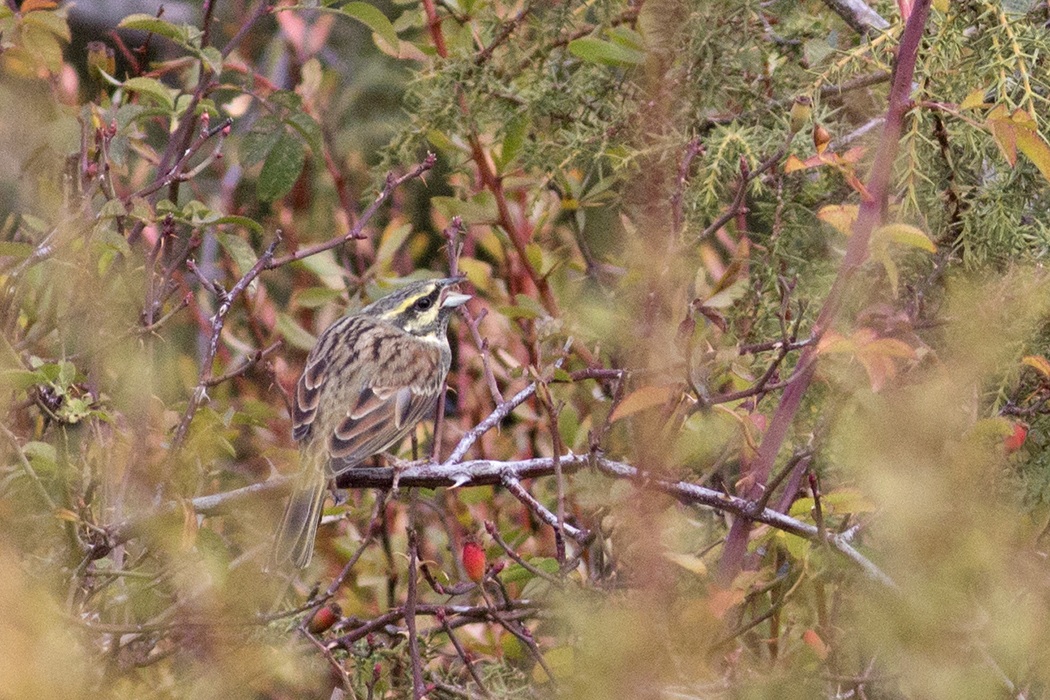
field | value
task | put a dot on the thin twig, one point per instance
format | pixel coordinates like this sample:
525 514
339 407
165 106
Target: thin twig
490 527
463 655
858 15
249 362
218 320
514 486
739 199
504 33
356 233
175 173
491 421
692 150
261 8
418 688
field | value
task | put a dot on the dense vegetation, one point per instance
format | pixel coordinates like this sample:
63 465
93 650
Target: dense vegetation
750 400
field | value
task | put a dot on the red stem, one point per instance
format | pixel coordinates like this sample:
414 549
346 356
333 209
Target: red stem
870 216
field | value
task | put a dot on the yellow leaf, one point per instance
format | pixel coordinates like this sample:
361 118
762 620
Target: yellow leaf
688 562
941 6
792 163
882 256
1004 131
837 502
1035 149
906 235
560 660
644 398
1039 363
831 342
189 527
974 100
68 515
841 217
890 347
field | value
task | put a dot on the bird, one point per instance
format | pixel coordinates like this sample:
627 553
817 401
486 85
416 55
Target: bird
370 379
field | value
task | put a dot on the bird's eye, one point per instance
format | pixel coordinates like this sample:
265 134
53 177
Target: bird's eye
424 304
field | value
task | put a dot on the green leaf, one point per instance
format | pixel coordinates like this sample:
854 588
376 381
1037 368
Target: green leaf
605 53
281 169
798 547
1035 149
258 143
141 210
315 296
513 139
478 272
239 251
212 57
310 130
15 250
391 243
161 93
287 99
525 307
561 375
74 410
481 209
296 335
51 22
242 221
43 46
903 234
67 373
41 455
516 572
186 36
108 239
375 20
198 213
19 379
838 502
728 296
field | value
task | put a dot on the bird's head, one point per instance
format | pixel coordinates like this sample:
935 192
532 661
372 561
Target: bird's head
420 308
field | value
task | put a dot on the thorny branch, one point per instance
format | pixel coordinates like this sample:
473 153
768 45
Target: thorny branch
485 472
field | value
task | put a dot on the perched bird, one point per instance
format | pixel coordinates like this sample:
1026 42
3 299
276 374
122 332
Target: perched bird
369 380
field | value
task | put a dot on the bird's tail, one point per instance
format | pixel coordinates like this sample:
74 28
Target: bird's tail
295 538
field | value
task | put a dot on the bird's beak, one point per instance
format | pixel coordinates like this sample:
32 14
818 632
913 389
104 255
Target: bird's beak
454 299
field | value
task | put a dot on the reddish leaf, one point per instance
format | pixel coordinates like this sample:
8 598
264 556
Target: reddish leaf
814 642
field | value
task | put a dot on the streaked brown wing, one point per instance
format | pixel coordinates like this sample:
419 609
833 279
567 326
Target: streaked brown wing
308 396
311 384
380 417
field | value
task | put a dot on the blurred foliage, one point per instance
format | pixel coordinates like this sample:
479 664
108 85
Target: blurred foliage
664 188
